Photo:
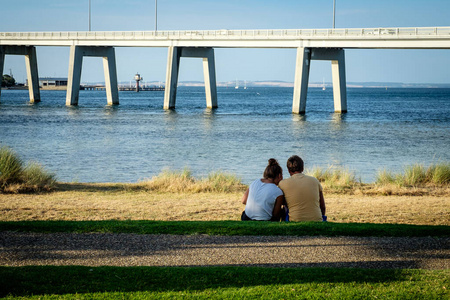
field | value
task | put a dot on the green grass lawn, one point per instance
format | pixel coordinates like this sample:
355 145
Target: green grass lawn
69 282
230 228
51 282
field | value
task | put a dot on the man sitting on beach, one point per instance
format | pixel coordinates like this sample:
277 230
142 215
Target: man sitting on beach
303 193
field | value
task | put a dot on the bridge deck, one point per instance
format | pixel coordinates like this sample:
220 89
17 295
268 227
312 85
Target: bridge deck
392 38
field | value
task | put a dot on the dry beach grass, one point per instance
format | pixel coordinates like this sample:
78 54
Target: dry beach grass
126 202
420 196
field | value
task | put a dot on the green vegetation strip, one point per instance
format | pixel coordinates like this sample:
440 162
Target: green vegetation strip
229 228
68 282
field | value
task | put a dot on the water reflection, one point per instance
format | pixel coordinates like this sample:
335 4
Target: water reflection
74 110
209 111
33 104
31 108
171 119
170 114
337 117
209 117
111 110
338 121
299 118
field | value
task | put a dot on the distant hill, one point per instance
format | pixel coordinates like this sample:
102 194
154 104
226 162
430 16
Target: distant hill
277 83
396 85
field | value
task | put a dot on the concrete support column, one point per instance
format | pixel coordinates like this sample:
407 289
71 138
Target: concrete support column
339 82
31 65
111 84
32 74
75 65
2 64
209 72
74 77
302 66
173 66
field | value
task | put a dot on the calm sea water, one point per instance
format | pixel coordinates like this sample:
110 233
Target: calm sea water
384 129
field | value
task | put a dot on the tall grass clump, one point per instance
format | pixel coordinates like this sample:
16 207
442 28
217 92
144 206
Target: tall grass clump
417 176
336 179
15 176
171 181
386 177
439 173
35 175
183 181
11 167
223 182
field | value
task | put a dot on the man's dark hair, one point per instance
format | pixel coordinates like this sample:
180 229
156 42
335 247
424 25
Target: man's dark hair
295 164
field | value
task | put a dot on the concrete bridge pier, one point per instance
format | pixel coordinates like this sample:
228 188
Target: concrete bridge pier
303 62
173 66
31 64
75 65
302 65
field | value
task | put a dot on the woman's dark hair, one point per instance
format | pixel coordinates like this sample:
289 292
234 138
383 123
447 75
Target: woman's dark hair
273 169
295 164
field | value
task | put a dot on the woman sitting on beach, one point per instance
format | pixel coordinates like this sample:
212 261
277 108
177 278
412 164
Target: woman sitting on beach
263 199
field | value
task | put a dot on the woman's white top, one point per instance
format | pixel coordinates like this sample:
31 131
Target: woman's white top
261 200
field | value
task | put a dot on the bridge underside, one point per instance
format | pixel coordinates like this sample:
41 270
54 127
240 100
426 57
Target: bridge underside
31 64
75 65
303 62
173 66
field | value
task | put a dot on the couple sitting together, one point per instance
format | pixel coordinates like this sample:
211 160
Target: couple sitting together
298 198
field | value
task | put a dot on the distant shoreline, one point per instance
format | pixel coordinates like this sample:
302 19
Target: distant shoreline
281 84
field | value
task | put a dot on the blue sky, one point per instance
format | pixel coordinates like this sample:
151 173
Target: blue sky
409 66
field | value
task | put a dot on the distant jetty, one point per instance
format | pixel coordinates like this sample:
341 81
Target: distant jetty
121 88
142 88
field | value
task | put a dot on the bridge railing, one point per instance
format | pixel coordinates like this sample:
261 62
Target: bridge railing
237 34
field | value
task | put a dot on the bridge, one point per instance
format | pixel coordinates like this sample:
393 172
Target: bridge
311 44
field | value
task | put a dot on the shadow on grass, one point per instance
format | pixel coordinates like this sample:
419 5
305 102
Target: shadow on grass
90 187
40 280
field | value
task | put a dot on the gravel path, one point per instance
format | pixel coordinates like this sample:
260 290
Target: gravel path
21 249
